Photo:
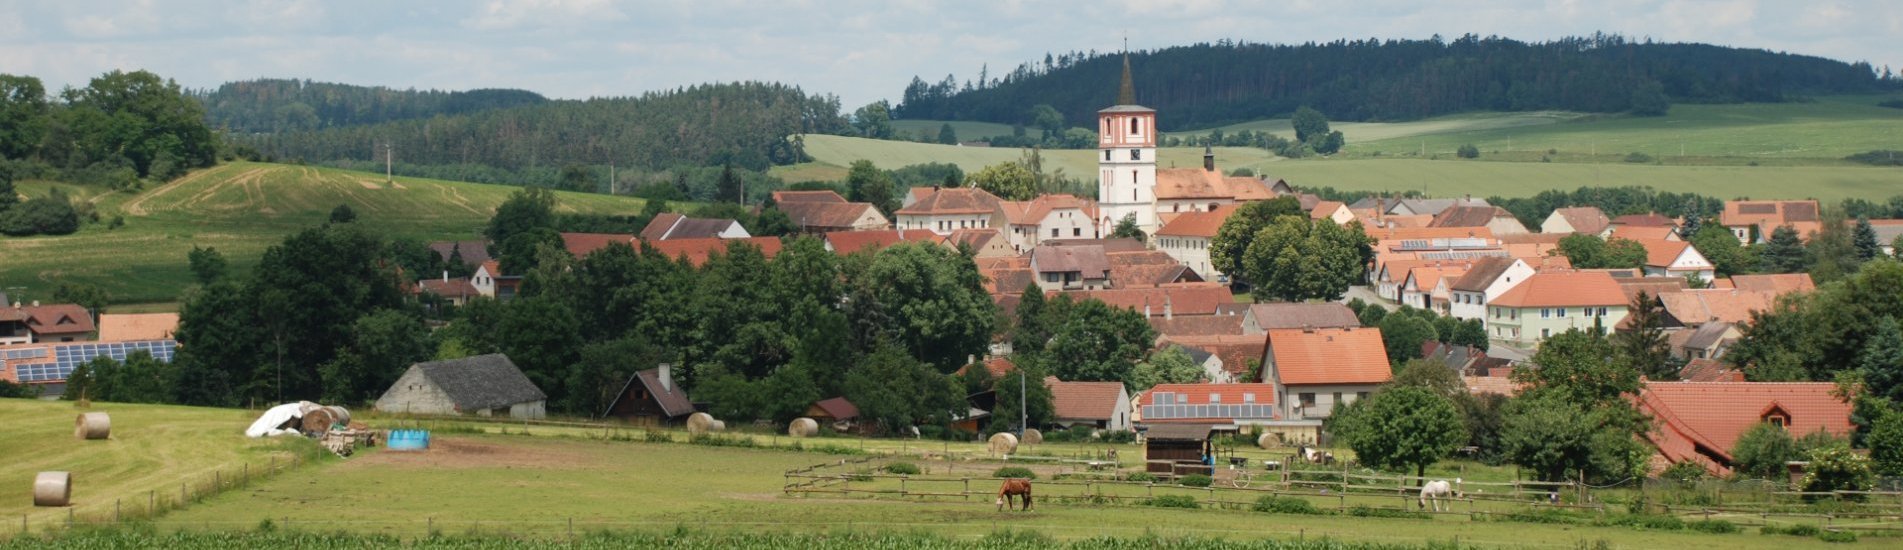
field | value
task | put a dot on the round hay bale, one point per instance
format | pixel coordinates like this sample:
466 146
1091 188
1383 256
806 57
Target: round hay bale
53 489
92 425
717 426
1003 443
1268 441
803 427
339 415
316 421
1032 437
699 423
305 407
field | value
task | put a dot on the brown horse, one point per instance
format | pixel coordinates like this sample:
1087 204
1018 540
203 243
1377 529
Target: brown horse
1014 487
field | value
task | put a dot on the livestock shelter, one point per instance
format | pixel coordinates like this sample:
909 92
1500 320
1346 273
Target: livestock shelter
484 385
1177 448
837 412
651 398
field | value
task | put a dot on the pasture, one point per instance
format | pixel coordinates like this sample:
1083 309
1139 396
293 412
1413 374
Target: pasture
967 130
842 151
241 209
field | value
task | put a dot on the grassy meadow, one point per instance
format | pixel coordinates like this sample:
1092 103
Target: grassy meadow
841 151
242 208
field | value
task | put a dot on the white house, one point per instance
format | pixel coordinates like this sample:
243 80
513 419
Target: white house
946 210
1313 370
1676 259
1026 223
1487 279
1186 239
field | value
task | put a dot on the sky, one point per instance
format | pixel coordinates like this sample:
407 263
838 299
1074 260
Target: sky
859 50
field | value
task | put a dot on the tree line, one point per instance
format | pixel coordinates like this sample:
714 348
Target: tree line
119 131
1211 84
271 105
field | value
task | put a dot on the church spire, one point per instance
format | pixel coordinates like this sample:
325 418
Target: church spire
1127 93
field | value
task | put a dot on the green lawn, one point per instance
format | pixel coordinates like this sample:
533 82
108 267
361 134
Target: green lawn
241 209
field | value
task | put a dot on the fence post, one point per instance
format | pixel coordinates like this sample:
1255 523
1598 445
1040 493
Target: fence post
152 503
115 511
967 489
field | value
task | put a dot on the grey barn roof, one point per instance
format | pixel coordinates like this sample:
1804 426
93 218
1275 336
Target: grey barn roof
1303 315
481 382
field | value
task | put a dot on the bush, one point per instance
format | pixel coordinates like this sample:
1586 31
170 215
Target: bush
1540 516
1837 468
902 468
1374 512
1636 157
1173 501
1837 536
1718 526
1882 157
1468 151
1144 477
1014 471
1684 472
1799 530
1119 436
1286 505
1643 521
1195 480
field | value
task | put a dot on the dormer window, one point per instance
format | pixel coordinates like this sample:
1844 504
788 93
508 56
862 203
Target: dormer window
1777 416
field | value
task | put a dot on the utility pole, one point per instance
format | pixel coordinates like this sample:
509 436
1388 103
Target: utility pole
1024 416
389 175
612 184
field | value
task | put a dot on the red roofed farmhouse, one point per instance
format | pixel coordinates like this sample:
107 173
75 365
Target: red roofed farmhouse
1700 422
1315 369
1101 405
1552 303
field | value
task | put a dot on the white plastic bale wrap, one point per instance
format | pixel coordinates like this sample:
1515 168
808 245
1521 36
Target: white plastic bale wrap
1033 437
1003 443
92 425
803 427
339 415
279 420
53 489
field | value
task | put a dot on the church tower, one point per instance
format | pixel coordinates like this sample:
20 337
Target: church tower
1126 161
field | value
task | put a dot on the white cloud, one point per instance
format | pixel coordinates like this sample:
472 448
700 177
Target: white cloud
516 14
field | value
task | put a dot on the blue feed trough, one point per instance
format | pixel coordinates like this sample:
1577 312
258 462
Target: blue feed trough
407 440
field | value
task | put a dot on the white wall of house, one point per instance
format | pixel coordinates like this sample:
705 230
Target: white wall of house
1531 325
1189 251
944 224
1473 305
1318 401
1164 206
1686 264
484 281
1556 223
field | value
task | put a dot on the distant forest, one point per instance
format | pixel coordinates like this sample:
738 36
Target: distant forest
1207 85
285 105
743 124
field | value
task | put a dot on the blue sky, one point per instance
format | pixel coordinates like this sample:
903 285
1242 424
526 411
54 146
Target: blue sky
859 50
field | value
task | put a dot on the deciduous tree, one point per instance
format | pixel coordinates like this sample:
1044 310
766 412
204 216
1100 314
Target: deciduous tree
1232 239
1402 427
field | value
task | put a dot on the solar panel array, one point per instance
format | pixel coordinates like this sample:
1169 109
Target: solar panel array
1171 405
67 357
32 353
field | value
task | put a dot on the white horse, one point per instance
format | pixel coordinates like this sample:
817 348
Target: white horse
1437 490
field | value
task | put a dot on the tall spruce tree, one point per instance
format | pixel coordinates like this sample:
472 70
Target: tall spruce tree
1864 238
1784 252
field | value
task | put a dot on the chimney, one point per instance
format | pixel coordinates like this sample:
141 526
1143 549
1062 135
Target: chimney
1168 307
445 275
667 378
1209 159
971 359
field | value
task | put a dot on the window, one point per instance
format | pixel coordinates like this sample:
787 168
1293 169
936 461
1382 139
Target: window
1602 312
1053 232
1546 313
1545 332
1106 154
1215 398
1136 154
1361 395
1133 126
1562 312
1337 398
1307 400
1076 231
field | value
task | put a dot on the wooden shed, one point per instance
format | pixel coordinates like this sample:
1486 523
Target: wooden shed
836 411
651 398
1170 447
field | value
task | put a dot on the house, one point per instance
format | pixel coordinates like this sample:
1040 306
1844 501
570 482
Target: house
1198 325
1649 219
1778 284
1315 370
1148 268
1230 355
1261 318
1551 303
1466 360
455 291
1585 220
1100 405
1708 341
472 253
580 245
651 398
915 194
1709 370
848 242
983 243
1494 218
131 327
825 211
669 225
1026 223
1186 238
44 323
1888 231
1700 422
1165 301
491 283
945 210
1485 280
1676 259
1430 207
1200 190
1070 267
1753 221
697 251
1333 211
836 412
1642 233
1695 307
1428 287
484 385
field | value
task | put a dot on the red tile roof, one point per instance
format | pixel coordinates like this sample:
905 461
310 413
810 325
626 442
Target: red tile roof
1645 220
581 244
1643 233
1661 253
1187 299
1769 214
453 288
1287 315
1589 220
62 319
1197 325
1084 400
1034 211
1699 306
827 214
997 366
697 250
126 327
822 196
1563 289
1199 394
1235 350
1709 370
957 200
1491 384
1197 224
1777 284
1469 216
1330 356
1424 233
1711 415
838 408
847 242
1197 183
1325 210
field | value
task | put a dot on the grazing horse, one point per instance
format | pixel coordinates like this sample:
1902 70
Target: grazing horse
1437 490
1315 456
1014 487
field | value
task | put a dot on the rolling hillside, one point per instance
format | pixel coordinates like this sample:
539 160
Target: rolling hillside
241 209
841 151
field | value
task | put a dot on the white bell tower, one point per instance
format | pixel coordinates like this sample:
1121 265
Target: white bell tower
1126 161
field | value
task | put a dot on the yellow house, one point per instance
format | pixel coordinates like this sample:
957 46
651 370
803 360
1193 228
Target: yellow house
1551 303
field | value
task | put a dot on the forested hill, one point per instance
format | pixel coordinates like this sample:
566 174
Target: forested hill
278 105
1207 85
745 124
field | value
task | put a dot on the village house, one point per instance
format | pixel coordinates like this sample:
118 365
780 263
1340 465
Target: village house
1676 259
33 323
983 243
1223 323
1694 307
1181 190
669 226
848 242
1262 318
1429 207
45 366
1709 370
697 251
1148 268
651 398
1186 238
472 254
1776 284
1103 406
1315 370
836 412
1333 211
943 211
1071 268
1700 422
825 211
1551 303
1888 231
1494 218
1164 301
1224 405
1753 221
1584 220
1230 356
1708 341
1485 279
1026 223
491 283
484 385
1427 287
1649 219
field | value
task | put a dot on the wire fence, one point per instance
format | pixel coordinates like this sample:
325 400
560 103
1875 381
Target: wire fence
153 503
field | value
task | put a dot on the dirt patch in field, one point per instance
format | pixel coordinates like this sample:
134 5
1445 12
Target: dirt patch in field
453 452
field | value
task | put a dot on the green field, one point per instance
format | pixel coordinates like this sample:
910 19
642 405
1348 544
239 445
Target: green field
241 209
966 130
842 151
1450 178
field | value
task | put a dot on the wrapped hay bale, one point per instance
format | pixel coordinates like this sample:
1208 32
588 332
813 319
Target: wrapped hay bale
339 415
1268 441
1002 443
803 427
700 423
317 421
92 425
53 489
1032 437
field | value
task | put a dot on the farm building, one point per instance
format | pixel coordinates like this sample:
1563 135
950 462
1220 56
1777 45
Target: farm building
651 398
1174 448
484 385
1100 405
1700 422
838 412
129 327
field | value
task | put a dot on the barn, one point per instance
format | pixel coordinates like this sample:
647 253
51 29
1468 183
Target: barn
651 398
1178 448
484 385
